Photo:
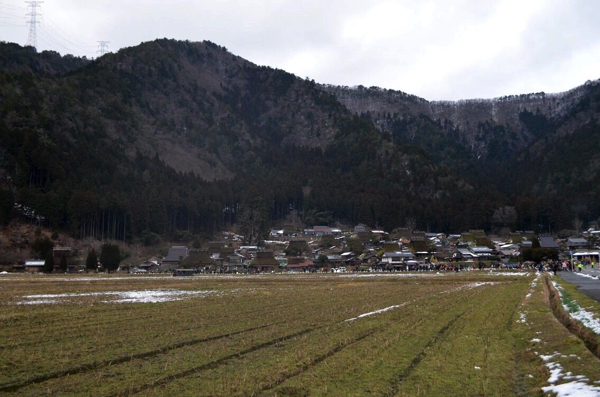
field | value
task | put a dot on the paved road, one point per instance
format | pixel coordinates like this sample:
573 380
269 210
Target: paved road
589 285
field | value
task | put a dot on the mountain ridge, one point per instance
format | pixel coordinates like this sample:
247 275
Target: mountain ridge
171 135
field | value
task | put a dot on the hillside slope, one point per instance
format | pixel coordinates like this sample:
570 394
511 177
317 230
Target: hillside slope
170 136
174 138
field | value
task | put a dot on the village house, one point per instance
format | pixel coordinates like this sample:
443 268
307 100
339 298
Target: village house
483 252
34 266
576 242
320 231
361 228
464 254
300 264
72 264
549 243
397 260
149 266
265 262
174 257
198 260
368 258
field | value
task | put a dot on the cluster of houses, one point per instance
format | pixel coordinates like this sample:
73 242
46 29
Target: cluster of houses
325 249
58 253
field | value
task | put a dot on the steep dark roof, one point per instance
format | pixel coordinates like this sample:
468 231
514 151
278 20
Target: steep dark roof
547 241
264 258
198 258
176 254
302 245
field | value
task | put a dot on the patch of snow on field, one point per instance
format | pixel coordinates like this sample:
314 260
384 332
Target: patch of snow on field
533 285
585 317
73 295
550 357
511 273
100 277
154 296
555 372
479 284
579 387
39 302
588 319
144 296
375 312
400 275
469 286
575 389
522 318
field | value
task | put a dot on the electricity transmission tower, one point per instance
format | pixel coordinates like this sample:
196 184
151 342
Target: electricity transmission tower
103 47
33 14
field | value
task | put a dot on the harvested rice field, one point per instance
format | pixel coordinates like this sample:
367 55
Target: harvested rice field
477 333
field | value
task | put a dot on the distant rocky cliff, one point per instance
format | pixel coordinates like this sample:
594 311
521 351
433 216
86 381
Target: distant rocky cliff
514 112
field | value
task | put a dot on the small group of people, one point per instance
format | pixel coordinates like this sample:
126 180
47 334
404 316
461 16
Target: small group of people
565 266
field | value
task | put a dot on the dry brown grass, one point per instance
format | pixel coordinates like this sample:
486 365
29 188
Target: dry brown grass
270 335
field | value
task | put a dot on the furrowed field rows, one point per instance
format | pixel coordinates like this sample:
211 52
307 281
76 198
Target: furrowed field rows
477 357
379 365
311 353
87 320
132 316
32 360
278 334
193 360
35 321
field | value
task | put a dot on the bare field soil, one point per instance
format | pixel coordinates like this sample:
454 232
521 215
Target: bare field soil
468 334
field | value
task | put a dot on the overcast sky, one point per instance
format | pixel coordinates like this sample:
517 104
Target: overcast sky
450 49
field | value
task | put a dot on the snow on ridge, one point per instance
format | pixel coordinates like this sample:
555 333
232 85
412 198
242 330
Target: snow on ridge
530 96
585 317
39 302
401 275
522 318
578 387
575 388
509 273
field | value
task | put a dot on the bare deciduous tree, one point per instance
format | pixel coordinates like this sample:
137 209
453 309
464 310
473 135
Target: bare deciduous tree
577 224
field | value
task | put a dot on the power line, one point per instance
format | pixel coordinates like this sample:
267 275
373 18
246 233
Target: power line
11 15
32 37
103 47
2 4
51 34
52 42
54 30
10 24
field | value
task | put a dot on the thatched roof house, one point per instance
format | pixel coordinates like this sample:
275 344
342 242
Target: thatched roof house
265 262
198 260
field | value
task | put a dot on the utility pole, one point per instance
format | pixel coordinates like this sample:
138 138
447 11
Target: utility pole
33 14
103 47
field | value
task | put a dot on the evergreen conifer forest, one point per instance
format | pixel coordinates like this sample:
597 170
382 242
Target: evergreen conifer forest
174 138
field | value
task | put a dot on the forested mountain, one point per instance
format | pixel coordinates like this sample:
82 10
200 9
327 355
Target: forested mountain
174 138
541 151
